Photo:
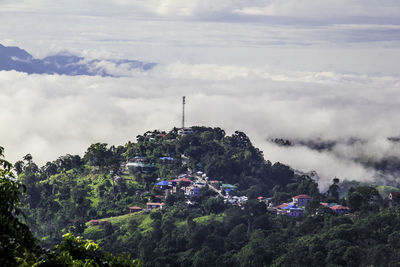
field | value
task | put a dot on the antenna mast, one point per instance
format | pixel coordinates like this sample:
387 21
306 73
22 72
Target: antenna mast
183 112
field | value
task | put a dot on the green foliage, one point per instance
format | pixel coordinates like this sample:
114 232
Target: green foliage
76 251
65 194
365 199
16 240
18 247
214 205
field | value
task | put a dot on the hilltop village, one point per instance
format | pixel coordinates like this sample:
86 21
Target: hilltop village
189 184
197 196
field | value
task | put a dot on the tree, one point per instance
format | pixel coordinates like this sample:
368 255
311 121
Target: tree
19 167
67 162
76 251
28 158
97 154
365 199
333 191
49 169
256 252
16 240
214 205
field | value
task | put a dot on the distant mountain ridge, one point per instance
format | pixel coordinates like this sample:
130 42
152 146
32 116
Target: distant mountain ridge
15 58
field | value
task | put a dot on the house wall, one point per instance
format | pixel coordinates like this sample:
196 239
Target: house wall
303 201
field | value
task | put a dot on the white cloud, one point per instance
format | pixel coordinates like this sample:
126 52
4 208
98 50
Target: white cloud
49 116
245 55
327 165
324 9
183 8
207 9
307 9
23 5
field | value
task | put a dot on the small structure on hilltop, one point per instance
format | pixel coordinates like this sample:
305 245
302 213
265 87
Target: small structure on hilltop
184 131
155 205
301 200
134 209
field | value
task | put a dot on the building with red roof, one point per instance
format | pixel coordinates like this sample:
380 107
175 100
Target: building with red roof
281 206
134 209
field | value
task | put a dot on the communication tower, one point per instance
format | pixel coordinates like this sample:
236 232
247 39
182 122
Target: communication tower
183 112
183 130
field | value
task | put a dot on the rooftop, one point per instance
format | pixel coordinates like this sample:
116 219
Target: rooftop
339 208
281 206
301 196
156 204
135 208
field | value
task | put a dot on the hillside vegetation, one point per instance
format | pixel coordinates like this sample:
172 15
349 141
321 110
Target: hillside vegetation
90 196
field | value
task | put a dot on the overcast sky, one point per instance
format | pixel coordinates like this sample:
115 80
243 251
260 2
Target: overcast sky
271 68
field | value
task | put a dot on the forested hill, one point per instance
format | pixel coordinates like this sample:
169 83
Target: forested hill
203 199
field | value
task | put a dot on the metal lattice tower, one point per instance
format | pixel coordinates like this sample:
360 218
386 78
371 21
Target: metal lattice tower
183 112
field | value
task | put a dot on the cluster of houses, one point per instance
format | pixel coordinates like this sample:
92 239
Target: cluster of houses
235 200
190 185
299 202
182 184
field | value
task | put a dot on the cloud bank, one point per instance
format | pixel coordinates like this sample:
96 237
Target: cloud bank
51 115
240 71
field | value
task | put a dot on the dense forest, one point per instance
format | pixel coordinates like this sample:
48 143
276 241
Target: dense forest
89 198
